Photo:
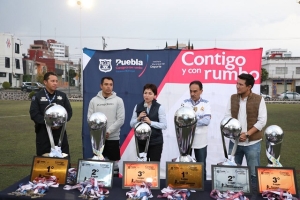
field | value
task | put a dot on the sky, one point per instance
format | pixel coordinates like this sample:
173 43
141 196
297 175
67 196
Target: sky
140 24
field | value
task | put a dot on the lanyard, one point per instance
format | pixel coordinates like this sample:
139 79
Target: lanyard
50 100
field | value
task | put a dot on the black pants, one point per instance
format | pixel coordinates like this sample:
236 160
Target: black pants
154 151
43 143
112 150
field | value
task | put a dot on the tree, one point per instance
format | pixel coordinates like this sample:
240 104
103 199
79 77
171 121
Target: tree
264 75
166 45
177 44
72 74
26 78
40 78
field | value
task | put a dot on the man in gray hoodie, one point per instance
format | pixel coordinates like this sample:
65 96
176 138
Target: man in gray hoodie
107 102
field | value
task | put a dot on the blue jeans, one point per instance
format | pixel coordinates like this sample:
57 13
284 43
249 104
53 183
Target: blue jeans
200 155
252 154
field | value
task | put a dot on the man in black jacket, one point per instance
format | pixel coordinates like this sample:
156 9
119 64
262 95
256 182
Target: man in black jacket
39 102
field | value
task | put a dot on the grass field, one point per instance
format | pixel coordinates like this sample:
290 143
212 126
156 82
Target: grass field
17 138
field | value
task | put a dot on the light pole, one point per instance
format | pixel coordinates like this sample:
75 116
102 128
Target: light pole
79 3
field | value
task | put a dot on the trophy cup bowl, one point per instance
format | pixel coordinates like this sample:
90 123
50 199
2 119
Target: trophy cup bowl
185 121
230 128
55 116
142 131
274 137
97 124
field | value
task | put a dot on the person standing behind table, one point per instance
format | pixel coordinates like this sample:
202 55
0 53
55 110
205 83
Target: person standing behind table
250 109
203 114
152 113
39 102
112 106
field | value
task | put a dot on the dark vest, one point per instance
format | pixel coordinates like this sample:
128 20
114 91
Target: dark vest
156 134
252 108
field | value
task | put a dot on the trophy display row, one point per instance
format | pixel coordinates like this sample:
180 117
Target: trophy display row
184 171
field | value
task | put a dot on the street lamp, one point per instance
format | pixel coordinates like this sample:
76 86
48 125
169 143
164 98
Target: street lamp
81 4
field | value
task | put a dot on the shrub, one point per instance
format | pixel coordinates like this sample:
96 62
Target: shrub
31 94
6 85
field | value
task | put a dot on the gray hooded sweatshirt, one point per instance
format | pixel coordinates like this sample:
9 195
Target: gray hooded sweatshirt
113 108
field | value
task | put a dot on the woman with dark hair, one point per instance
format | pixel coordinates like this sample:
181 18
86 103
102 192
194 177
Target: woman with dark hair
152 113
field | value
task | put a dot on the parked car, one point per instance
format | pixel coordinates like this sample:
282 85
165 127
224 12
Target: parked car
266 97
289 95
34 86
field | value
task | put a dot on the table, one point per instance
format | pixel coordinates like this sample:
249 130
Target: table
116 193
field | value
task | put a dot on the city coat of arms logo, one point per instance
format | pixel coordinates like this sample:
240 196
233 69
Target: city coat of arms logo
105 65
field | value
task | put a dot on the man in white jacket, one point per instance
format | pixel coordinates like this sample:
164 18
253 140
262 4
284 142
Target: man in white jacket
107 102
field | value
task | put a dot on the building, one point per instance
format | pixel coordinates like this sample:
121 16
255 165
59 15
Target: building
11 66
60 50
284 72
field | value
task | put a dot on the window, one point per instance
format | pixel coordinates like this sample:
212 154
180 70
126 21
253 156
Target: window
17 64
281 70
297 70
17 48
7 62
2 74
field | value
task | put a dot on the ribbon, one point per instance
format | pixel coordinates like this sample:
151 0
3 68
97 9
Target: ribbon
90 188
277 195
37 188
98 154
229 195
72 176
170 193
140 192
275 162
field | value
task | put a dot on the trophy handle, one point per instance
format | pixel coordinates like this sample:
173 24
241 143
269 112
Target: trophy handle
224 146
234 147
62 133
50 135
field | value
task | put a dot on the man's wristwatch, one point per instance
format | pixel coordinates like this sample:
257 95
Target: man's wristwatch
247 135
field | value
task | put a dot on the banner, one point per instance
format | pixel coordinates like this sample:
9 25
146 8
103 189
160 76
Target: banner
171 71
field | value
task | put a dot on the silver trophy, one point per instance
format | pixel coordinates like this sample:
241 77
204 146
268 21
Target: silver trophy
230 128
185 121
274 138
55 116
97 124
142 131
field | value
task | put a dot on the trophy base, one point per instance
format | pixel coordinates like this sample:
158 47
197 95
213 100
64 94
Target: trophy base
229 162
95 157
47 155
187 158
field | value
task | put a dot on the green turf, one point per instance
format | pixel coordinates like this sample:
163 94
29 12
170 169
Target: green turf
18 147
17 139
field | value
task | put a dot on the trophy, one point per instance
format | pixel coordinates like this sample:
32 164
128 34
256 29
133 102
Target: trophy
230 128
185 121
142 131
97 123
274 137
55 116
